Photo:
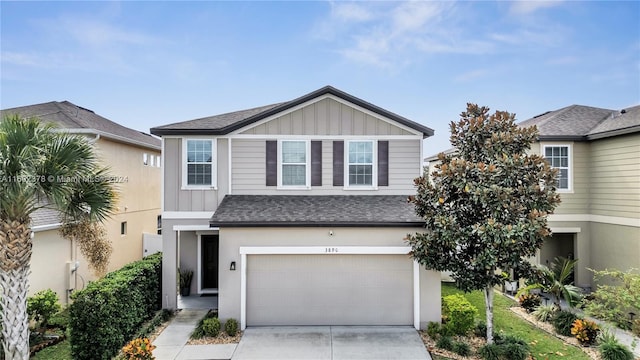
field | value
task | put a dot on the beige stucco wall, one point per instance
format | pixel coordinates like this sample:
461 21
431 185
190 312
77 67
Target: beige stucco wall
614 247
49 264
231 239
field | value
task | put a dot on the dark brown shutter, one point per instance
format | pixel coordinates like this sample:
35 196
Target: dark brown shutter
316 163
383 163
338 163
272 163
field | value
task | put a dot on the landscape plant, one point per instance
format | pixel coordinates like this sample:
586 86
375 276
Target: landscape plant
586 331
445 342
139 349
544 312
611 349
40 167
614 301
563 322
529 301
556 281
42 306
211 327
460 314
231 327
485 206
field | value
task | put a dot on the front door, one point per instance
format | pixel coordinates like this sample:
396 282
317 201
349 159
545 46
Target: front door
209 263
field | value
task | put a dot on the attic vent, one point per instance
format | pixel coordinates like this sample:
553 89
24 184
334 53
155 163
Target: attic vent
623 111
544 113
89 110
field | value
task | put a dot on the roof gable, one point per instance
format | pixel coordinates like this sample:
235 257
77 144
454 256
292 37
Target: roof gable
226 123
76 118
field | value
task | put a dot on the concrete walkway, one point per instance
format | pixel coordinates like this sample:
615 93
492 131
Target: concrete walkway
171 343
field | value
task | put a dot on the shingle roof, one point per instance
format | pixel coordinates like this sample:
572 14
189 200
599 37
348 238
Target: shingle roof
45 216
323 210
73 117
226 123
625 120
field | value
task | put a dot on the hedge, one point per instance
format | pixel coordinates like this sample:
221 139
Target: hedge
106 315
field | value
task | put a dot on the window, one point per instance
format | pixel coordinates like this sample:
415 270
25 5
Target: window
199 170
159 225
360 163
145 159
152 160
294 162
158 164
558 157
123 228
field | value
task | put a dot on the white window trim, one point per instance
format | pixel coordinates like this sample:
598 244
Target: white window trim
569 190
374 167
307 185
328 251
214 165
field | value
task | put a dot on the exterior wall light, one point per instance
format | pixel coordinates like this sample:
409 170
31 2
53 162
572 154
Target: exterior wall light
232 267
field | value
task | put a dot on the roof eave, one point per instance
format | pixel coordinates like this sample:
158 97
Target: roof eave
110 136
562 138
612 133
241 224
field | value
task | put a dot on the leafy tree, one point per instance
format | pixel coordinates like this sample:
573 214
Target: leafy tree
39 167
485 207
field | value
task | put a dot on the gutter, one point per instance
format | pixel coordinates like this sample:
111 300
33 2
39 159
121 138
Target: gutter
117 138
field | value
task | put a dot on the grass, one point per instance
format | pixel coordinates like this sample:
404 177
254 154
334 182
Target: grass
60 351
543 345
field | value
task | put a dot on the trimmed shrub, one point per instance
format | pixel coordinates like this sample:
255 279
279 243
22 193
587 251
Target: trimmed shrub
199 332
105 316
231 327
611 349
433 329
211 327
460 313
490 352
445 342
563 321
461 348
42 306
529 301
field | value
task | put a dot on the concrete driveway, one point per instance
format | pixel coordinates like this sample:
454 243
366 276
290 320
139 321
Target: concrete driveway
331 343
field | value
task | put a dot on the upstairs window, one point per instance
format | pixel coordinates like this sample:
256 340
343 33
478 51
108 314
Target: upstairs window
360 163
294 162
199 167
559 157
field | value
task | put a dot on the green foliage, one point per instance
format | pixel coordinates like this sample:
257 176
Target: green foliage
507 347
611 349
149 327
491 352
557 281
211 327
433 329
461 348
42 306
614 302
105 315
563 321
231 327
185 278
529 301
445 342
585 331
460 313
544 312
199 332
481 329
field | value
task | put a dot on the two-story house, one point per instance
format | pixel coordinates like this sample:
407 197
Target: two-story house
597 154
295 213
134 160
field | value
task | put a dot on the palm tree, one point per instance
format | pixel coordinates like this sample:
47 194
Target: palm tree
40 167
557 281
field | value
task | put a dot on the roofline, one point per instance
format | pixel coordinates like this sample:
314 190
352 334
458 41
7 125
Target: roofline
562 138
616 132
237 224
111 136
426 131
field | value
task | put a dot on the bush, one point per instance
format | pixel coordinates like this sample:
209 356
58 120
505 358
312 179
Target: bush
60 319
433 329
481 330
585 331
611 349
544 312
139 349
635 327
445 342
231 327
199 332
563 321
461 348
529 301
490 352
211 327
42 306
105 315
614 302
460 312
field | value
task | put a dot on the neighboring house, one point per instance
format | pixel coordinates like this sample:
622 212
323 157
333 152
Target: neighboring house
295 213
597 153
134 161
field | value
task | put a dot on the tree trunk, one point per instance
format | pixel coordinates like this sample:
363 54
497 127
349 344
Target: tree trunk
15 255
488 300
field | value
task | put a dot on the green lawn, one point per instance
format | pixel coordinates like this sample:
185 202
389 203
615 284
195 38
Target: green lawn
543 345
60 351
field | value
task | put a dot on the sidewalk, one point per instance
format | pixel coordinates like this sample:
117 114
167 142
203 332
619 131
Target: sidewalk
171 343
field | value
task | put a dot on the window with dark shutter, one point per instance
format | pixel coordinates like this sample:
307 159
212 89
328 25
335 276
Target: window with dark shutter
383 163
338 163
272 163
316 163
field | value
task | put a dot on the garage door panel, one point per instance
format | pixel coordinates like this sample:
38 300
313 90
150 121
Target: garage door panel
329 290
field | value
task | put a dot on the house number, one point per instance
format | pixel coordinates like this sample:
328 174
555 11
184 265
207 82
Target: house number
331 250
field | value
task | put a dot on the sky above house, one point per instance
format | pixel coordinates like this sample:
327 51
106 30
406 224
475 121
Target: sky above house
145 64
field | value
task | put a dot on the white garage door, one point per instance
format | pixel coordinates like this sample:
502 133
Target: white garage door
329 290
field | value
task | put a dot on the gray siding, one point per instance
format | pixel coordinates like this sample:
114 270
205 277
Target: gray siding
326 117
615 176
248 171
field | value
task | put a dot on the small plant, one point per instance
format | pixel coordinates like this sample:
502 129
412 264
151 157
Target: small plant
211 327
461 348
544 312
139 349
185 281
445 343
529 301
490 352
563 321
481 329
585 331
199 332
231 327
460 312
611 349
42 306
635 327
433 329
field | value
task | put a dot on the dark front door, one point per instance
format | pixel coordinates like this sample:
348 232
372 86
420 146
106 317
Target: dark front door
209 261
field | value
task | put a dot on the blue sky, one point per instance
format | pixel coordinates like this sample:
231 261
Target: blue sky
146 64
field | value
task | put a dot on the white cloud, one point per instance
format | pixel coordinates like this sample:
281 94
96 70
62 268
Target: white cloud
351 12
415 16
525 7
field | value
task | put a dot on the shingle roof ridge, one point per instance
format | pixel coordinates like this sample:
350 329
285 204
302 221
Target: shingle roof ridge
265 107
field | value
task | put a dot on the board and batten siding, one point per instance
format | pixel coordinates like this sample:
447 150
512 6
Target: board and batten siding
615 176
178 199
326 117
249 170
